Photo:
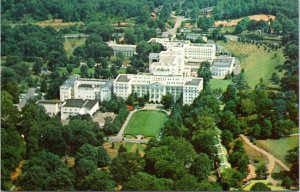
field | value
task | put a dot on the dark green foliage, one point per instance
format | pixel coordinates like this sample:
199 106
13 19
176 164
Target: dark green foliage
126 165
287 182
163 162
122 149
204 141
205 23
201 166
204 72
98 181
260 187
167 101
142 181
45 171
293 158
261 170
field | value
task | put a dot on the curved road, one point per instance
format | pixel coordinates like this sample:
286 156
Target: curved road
272 160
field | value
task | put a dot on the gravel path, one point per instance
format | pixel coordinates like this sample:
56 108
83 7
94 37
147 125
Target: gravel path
272 160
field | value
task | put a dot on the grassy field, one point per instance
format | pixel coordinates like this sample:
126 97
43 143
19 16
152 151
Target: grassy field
279 147
273 188
219 83
57 23
71 44
257 62
146 122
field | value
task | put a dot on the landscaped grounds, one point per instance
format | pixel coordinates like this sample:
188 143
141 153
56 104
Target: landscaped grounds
256 61
146 122
279 147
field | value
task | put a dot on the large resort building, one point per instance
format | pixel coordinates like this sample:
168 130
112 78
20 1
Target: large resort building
173 71
156 86
79 88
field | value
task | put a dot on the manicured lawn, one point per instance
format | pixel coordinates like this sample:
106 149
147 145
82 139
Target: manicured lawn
273 188
146 122
279 147
257 62
219 83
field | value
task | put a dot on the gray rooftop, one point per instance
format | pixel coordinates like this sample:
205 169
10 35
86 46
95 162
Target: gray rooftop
79 103
122 78
53 101
223 62
193 82
70 82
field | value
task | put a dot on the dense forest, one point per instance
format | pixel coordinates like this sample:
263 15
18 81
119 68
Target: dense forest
184 158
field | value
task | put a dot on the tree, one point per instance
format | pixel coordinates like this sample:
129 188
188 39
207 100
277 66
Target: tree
260 187
126 165
143 181
227 138
247 106
261 170
44 86
293 159
167 101
163 162
84 71
90 62
45 171
37 66
205 23
239 82
187 183
287 182
70 68
256 131
266 128
232 178
275 78
229 122
201 166
229 94
122 149
204 72
98 181
204 141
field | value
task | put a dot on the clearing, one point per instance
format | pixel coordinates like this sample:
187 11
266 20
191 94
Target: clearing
256 61
219 83
63 70
234 22
130 147
71 44
279 147
146 122
57 23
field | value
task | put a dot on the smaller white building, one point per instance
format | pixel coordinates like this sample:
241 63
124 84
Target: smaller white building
52 107
126 50
222 66
73 107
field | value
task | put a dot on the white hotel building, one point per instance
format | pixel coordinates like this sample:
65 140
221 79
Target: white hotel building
157 86
180 57
126 50
93 89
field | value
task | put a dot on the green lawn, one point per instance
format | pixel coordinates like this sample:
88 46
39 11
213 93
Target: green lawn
279 147
257 62
273 188
219 83
146 122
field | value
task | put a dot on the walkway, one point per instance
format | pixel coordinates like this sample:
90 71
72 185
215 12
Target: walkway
120 136
272 160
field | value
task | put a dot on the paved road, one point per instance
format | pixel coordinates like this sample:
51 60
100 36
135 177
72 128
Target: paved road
272 160
29 95
172 32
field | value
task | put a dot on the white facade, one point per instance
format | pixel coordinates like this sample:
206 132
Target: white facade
222 66
157 86
95 89
126 50
73 107
52 107
180 57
